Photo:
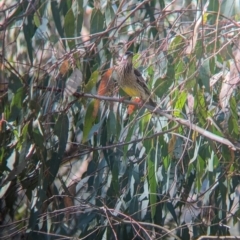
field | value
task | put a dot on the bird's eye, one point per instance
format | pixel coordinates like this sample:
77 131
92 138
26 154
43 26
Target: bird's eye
128 53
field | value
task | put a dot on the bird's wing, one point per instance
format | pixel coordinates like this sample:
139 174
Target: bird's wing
141 81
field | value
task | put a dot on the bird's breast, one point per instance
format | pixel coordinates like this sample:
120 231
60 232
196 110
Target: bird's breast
131 91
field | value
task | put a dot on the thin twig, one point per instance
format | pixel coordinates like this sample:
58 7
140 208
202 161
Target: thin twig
159 111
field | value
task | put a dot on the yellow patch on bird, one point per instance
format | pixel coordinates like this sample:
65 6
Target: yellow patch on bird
132 92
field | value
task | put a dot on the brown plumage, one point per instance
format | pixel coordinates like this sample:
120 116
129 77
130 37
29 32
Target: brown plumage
131 80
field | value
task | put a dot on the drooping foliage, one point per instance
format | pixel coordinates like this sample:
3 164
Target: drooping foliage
79 160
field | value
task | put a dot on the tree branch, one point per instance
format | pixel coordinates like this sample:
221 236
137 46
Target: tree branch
158 111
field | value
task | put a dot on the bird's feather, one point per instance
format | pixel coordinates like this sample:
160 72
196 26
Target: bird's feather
131 80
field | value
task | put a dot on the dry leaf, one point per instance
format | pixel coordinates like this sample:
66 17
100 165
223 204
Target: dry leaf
64 67
215 78
131 108
107 87
193 41
231 79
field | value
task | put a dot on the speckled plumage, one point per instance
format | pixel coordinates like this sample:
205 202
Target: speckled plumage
131 80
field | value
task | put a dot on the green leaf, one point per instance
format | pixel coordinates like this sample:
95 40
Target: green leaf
92 82
23 146
95 128
97 21
162 86
18 97
34 106
204 74
200 107
233 107
16 104
79 13
15 82
200 172
190 73
233 127
214 7
199 49
229 8
166 162
149 8
57 18
223 191
88 122
111 123
176 45
170 69
131 129
61 130
36 19
109 13
144 122
69 27
212 66
37 200
134 208
179 69
38 138
162 4
150 71
136 62
29 31
152 182
172 211
115 173
181 100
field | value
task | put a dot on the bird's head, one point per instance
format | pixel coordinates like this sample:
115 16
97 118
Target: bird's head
128 57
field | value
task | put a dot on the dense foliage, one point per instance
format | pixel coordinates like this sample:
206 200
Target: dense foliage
76 160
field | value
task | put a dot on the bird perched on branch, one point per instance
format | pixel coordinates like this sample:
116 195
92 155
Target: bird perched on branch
131 80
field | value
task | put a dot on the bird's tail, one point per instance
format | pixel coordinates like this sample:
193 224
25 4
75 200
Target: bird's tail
152 103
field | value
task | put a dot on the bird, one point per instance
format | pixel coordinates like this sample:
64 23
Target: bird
131 80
